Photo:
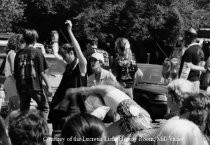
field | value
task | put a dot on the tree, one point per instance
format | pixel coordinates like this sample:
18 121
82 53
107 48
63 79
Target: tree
152 24
11 11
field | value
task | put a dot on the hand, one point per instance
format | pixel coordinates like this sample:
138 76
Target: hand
69 23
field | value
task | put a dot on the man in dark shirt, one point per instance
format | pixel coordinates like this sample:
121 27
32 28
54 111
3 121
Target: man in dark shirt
29 71
192 58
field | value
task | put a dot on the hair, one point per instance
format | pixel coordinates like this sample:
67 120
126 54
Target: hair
28 128
84 127
123 44
180 132
190 35
197 106
92 41
4 139
14 42
180 89
30 36
66 48
54 32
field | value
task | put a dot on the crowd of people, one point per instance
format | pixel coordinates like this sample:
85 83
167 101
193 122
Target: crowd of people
93 104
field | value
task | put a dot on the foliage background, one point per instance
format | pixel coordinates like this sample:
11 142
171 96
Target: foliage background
151 26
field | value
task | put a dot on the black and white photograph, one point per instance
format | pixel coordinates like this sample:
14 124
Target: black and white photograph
104 72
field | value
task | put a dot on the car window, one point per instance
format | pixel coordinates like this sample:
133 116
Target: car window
152 74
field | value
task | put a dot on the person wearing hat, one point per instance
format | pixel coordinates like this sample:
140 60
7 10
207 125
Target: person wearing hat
92 47
190 67
100 76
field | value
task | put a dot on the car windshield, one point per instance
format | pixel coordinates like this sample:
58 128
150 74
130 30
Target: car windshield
152 74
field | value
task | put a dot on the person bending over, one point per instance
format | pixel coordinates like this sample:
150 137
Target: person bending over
132 116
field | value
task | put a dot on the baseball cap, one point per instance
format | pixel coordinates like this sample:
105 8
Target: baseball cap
98 56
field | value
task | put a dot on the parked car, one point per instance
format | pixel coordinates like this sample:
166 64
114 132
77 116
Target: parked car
150 92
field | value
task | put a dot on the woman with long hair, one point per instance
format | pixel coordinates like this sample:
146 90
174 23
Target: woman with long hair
125 68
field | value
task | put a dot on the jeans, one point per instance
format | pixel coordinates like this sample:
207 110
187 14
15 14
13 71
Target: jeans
39 97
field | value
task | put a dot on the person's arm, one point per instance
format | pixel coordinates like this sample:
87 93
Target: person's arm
45 78
80 56
55 47
99 89
196 67
138 75
11 59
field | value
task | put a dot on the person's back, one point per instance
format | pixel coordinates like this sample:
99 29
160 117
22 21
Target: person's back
29 71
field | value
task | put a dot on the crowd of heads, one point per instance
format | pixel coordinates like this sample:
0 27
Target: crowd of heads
18 41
